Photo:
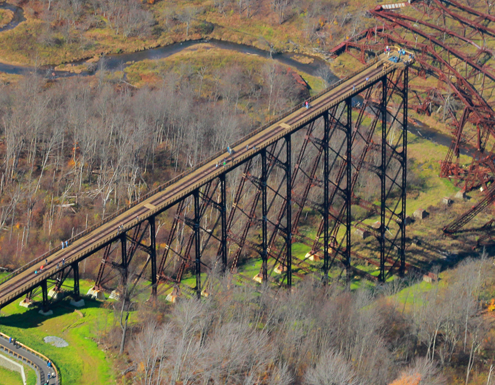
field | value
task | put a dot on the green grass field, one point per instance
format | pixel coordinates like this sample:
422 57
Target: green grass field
10 377
83 361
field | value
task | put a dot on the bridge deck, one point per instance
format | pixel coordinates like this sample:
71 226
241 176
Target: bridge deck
24 279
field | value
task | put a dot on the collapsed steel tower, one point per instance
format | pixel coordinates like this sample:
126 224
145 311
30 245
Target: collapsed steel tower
452 71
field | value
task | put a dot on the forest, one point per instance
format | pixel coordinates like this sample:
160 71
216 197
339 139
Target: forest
90 148
397 334
75 150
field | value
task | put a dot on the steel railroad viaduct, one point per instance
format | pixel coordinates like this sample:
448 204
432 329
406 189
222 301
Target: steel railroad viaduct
377 83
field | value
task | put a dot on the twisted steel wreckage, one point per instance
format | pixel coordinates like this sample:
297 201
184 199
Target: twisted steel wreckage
453 49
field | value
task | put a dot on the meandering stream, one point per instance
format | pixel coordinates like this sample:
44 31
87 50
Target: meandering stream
120 61
18 16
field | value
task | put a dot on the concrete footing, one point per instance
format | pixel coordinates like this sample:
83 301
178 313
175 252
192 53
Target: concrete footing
96 294
46 313
56 295
258 278
460 195
171 297
312 257
79 303
27 303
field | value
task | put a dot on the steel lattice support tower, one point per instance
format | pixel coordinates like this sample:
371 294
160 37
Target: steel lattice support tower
285 204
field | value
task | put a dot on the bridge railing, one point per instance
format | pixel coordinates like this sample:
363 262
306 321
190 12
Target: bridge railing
191 170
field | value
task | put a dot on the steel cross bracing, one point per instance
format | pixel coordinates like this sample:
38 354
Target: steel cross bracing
252 211
453 61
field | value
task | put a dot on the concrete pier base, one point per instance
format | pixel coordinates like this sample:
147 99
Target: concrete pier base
27 303
46 313
79 303
171 297
56 295
258 278
312 257
96 294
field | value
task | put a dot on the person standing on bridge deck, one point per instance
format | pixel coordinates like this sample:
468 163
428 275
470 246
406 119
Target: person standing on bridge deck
367 79
63 261
66 243
62 244
307 104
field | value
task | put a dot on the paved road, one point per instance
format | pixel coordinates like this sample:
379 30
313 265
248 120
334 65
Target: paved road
42 367
190 181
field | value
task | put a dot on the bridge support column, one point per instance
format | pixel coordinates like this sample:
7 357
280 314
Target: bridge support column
402 268
383 173
264 214
288 176
223 213
197 242
153 258
75 270
326 213
44 291
348 192
123 249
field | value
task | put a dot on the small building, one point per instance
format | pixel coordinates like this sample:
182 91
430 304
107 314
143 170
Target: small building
430 277
447 201
421 214
460 195
362 233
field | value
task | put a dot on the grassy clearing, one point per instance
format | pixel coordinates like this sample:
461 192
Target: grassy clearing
83 361
209 60
344 64
10 377
426 157
6 16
